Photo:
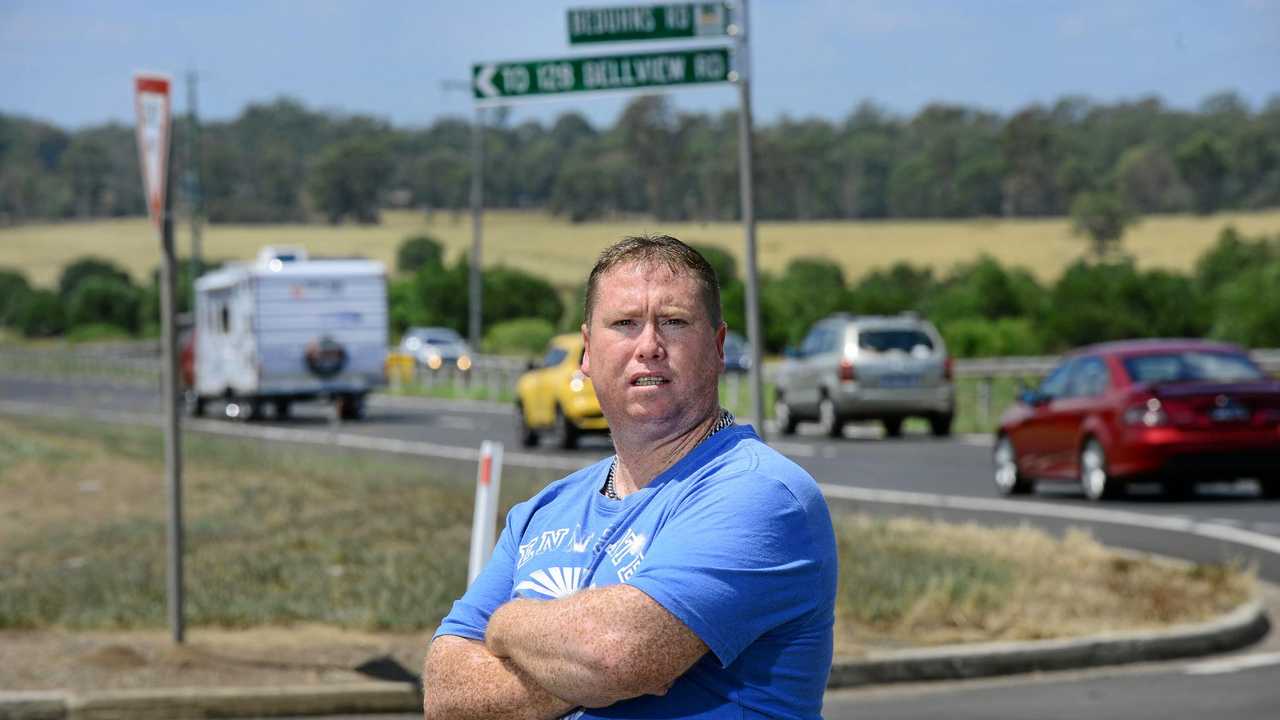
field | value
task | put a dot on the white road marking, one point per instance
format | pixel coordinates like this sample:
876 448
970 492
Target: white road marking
1227 521
457 422
1211 530
1233 664
1267 527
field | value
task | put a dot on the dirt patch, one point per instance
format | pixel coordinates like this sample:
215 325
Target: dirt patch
84 661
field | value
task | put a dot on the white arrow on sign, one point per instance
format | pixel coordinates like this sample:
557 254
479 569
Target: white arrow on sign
484 81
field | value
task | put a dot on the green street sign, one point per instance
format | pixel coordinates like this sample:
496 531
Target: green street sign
610 72
648 22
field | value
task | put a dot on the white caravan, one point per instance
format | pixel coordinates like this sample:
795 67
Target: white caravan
288 328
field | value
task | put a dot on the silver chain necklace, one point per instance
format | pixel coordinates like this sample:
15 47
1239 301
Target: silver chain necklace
725 420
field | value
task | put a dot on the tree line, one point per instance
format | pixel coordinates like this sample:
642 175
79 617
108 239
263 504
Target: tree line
283 162
981 307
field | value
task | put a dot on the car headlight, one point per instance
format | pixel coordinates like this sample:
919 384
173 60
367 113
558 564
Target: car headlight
464 363
434 361
576 384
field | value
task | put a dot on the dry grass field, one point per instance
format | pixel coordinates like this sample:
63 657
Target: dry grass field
563 252
300 567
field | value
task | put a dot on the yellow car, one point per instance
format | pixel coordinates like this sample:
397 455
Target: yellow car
558 398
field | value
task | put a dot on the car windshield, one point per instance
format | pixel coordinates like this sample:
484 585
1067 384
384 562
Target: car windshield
893 339
437 338
1191 366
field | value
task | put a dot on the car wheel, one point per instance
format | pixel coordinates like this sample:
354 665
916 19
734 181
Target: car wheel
350 406
1008 480
828 419
194 403
783 416
243 410
892 426
1095 479
525 435
1179 488
566 432
1269 487
940 424
284 409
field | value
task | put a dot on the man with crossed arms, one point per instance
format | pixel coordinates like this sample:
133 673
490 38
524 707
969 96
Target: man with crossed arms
692 575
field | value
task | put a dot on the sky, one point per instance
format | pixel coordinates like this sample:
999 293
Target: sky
408 61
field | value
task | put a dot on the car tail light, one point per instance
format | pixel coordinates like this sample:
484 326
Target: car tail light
948 369
846 370
1149 413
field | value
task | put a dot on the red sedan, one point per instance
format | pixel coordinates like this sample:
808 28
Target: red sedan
1173 411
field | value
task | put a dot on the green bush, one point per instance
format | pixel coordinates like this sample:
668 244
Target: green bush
89 267
809 290
522 336
979 337
1230 257
1248 308
418 252
104 300
41 314
984 289
889 292
14 291
1113 301
510 294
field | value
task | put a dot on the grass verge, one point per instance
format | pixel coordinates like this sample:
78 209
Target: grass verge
280 535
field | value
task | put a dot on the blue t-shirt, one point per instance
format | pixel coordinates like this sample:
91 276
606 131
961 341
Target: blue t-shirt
735 540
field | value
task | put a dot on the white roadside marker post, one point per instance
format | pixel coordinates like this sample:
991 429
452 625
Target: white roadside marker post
484 522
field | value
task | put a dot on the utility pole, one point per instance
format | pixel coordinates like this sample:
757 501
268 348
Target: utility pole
195 194
477 213
746 184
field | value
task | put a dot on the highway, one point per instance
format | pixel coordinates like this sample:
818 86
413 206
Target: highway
917 474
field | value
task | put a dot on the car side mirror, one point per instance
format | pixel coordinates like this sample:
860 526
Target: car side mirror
531 365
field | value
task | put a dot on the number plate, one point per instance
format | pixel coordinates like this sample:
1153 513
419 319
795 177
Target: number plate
1230 413
899 381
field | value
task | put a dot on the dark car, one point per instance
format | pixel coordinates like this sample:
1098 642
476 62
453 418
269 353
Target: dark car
1172 411
737 353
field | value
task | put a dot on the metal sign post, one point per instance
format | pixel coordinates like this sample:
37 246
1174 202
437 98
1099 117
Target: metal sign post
747 187
152 100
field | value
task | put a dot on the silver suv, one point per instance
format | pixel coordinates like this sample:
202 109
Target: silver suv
858 367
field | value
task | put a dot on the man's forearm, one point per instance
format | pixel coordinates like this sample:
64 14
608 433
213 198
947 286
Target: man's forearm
595 647
462 680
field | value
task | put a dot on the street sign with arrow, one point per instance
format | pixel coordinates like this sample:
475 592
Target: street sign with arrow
611 72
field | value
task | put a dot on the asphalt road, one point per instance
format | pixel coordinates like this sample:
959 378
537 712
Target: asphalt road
916 474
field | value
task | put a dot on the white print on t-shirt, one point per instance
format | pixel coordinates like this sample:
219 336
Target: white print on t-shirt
554 582
627 553
553 540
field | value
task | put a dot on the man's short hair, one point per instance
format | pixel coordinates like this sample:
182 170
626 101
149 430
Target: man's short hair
662 250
